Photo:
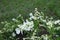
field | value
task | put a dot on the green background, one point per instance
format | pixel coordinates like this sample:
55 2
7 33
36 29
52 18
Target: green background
12 8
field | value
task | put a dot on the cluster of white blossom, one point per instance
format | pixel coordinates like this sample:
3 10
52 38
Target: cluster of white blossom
27 26
45 37
49 24
36 15
57 22
57 28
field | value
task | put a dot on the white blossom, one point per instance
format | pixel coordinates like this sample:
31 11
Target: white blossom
13 19
32 17
45 37
49 24
31 14
44 20
57 21
17 31
57 35
57 28
35 16
27 26
13 34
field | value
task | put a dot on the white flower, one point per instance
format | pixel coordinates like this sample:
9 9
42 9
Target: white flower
32 17
13 19
31 14
56 22
57 35
35 18
27 29
35 9
19 15
27 26
17 31
2 22
13 34
27 21
31 24
44 20
50 24
45 37
59 23
21 26
1 31
57 28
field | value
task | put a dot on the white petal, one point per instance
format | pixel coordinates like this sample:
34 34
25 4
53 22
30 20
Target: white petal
31 14
13 19
17 31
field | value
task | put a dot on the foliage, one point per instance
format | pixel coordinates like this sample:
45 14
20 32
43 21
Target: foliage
37 25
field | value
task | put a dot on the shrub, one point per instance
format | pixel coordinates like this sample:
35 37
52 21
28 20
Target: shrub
36 26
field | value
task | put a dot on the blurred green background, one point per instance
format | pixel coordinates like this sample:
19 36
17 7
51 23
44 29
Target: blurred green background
12 8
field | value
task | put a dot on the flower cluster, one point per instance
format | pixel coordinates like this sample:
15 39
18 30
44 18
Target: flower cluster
37 15
36 21
57 22
45 37
27 26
